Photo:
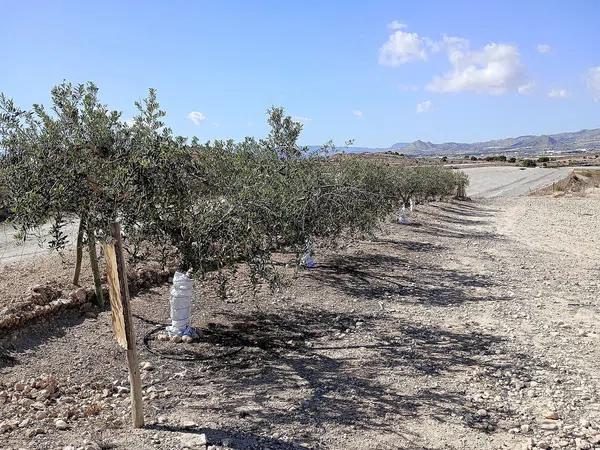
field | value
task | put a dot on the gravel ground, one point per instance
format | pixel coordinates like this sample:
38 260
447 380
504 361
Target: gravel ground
475 327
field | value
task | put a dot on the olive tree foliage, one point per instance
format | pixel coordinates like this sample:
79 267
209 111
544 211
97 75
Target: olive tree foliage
225 202
59 163
427 183
214 205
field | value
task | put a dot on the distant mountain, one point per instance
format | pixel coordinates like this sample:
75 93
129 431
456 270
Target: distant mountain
584 140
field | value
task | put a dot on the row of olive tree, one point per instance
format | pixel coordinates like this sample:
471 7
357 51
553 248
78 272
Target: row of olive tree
217 204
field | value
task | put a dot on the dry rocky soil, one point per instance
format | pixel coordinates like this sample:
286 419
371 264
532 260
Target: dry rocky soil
473 327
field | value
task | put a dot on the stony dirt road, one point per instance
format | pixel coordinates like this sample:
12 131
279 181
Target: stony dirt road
476 327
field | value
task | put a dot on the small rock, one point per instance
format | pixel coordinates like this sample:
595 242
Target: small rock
31 433
189 424
176 339
60 424
122 390
187 339
551 415
549 426
38 405
147 365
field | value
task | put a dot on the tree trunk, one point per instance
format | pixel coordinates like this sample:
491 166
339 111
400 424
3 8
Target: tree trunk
79 255
91 235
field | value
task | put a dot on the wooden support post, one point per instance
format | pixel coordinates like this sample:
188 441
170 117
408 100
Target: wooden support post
121 318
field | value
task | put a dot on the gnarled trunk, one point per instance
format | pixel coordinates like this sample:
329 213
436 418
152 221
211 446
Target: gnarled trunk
91 236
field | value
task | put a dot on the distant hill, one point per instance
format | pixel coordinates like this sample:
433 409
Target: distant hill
584 140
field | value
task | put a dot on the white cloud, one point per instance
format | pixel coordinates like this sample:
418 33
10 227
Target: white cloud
544 48
196 117
130 122
357 113
424 107
496 69
527 88
396 25
593 82
303 120
558 93
402 47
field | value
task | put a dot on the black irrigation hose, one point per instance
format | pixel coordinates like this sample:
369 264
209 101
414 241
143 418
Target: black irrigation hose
189 358
196 357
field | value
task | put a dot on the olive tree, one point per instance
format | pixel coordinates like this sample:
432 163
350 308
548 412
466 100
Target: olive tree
60 164
216 204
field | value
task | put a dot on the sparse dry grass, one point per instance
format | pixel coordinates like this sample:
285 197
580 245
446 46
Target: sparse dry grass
579 182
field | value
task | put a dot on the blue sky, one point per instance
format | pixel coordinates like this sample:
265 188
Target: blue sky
377 72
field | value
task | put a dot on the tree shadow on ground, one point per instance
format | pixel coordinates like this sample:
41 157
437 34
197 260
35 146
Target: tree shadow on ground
312 370
469 209
408 245
385 277
450 231
455 220
449 218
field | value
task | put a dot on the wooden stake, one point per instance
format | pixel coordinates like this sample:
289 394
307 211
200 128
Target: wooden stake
132 356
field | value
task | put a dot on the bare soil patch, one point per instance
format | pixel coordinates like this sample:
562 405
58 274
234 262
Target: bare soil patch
462 330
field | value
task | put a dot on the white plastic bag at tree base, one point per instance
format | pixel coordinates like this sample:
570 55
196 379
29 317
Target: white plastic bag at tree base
403 215
181 306
308 261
